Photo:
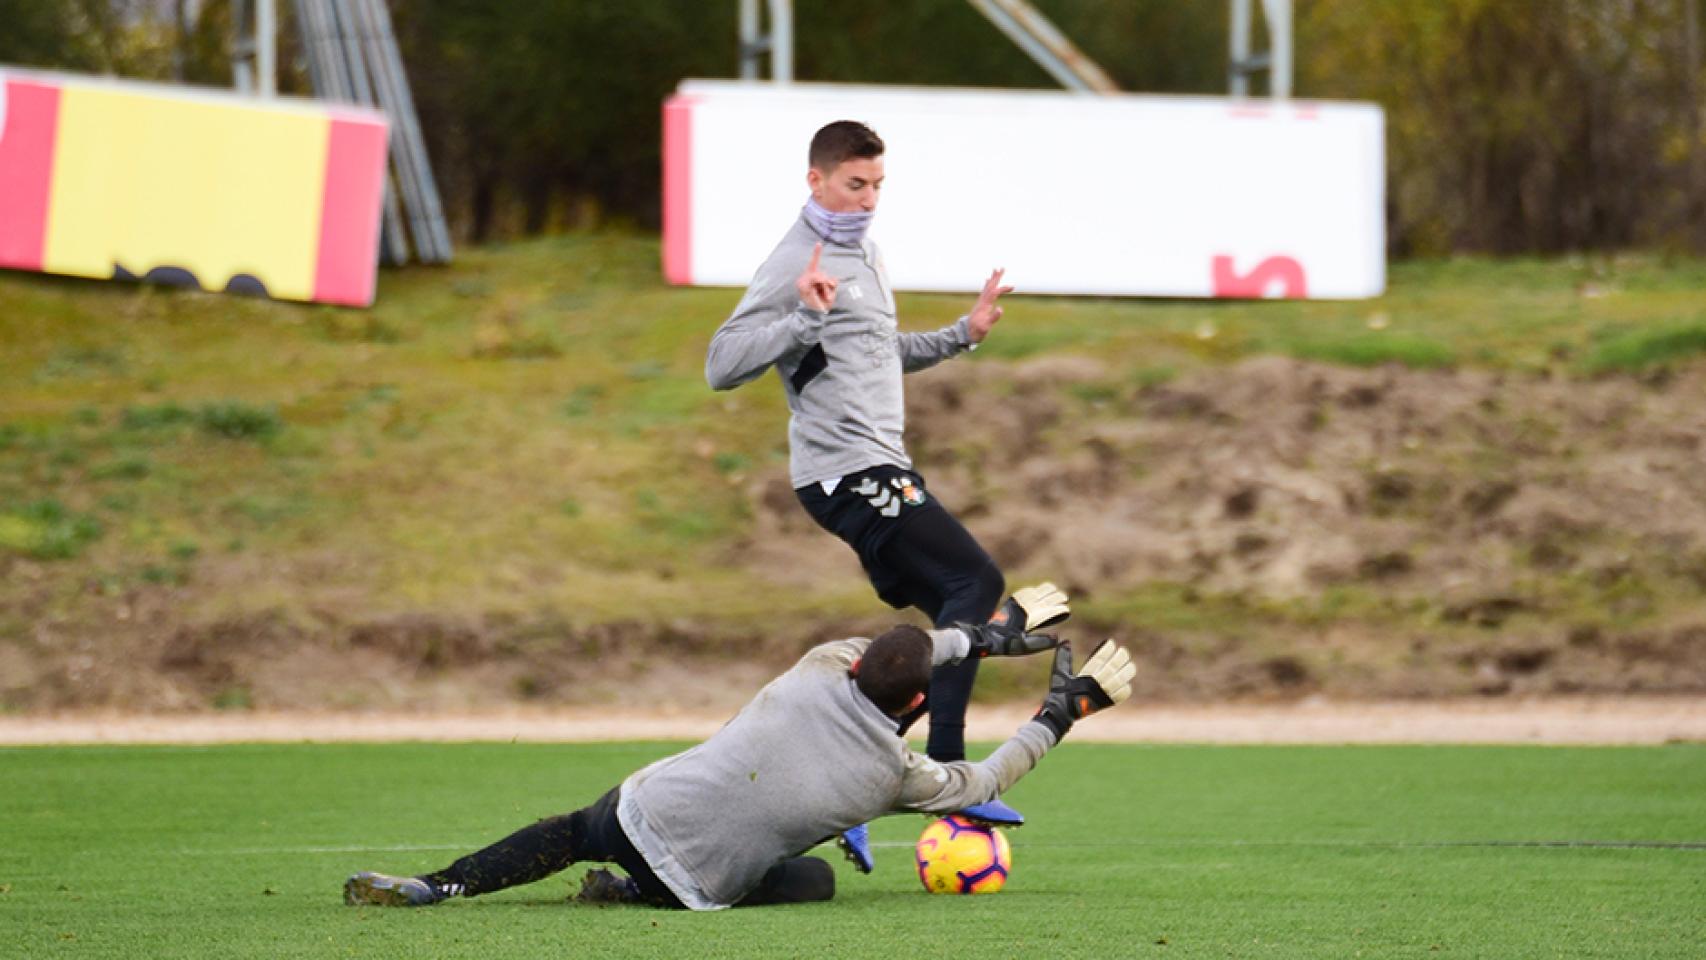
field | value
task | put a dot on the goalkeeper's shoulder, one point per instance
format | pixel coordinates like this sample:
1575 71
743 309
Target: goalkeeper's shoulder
840 653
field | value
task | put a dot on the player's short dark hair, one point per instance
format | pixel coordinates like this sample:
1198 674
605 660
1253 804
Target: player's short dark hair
843 140
896 668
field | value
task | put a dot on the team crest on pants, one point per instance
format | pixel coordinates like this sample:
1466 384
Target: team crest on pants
910 493
887 502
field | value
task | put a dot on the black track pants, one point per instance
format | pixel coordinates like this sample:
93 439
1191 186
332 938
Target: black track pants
795 880
535 852
593 833
917 554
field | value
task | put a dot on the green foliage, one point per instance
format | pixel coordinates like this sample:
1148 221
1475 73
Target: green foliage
582 401
357 326
1513 126
45 35
154 416
1571 124
235 420
523 148
1370 350
611 479
164 575
729 462
231 419
123 468
46 530
233 698
1644 349
1146 377
266 510
1276 852
81 362
521 143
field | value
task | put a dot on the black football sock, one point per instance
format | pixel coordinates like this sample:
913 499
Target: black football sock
529 854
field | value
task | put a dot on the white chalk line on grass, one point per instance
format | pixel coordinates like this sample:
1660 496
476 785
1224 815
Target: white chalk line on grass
1212 844
1372 844
286 851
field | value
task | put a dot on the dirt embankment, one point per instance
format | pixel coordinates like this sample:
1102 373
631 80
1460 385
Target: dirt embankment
1355 533
1287 530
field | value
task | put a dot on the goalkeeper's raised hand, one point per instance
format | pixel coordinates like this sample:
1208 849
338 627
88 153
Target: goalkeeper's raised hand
1013 631
1104 681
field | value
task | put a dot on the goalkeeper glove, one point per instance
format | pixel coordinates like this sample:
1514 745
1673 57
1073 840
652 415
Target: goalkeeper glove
1009 632
1104 681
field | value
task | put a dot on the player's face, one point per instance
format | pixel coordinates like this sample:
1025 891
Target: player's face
851 187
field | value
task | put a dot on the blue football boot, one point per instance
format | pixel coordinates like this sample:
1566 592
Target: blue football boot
856 843
994 814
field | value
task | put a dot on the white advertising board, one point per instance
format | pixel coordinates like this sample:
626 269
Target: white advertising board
1093 195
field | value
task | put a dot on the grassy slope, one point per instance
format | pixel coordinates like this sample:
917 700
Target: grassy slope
527 435
1175 851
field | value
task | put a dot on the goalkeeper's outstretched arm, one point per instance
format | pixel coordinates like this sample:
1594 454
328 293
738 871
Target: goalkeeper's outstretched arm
1105 679
1014 631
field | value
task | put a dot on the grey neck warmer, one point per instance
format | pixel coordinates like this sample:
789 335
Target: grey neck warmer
843 228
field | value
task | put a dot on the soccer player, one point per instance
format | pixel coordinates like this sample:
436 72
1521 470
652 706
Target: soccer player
815 752
821 311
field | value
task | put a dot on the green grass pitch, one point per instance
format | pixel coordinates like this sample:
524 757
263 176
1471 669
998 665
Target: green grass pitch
1152 851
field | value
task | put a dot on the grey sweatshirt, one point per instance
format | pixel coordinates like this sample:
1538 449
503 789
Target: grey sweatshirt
841 370
808 758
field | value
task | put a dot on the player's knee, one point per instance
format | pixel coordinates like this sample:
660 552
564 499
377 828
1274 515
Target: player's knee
810 879
990 589
795 880
972 596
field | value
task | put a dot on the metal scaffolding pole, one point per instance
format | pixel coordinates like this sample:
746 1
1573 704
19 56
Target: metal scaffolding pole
778 43
254 54
353 58
336 69
1278 58
1279 41
1043 42
326 70
414 167
345 36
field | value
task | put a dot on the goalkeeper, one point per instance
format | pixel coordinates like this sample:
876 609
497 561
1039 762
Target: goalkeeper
817 751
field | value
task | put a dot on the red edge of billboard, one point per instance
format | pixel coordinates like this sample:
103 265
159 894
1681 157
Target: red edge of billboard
346 264
31 119
678 189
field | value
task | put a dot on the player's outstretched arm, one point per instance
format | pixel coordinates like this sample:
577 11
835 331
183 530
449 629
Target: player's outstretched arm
1104 681
1014 631
921 351
931 787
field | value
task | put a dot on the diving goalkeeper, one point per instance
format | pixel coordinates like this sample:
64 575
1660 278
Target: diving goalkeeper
815 752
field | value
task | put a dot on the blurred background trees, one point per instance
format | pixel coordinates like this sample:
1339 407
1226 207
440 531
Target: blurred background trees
1524 126
1514 126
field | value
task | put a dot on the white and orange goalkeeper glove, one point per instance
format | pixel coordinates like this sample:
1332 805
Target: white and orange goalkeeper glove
1104 681
1012 632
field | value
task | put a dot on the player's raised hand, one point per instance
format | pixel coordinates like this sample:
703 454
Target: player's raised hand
986 312
1104 681
817 289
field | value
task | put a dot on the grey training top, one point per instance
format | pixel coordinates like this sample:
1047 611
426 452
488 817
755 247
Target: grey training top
808 758
840 371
